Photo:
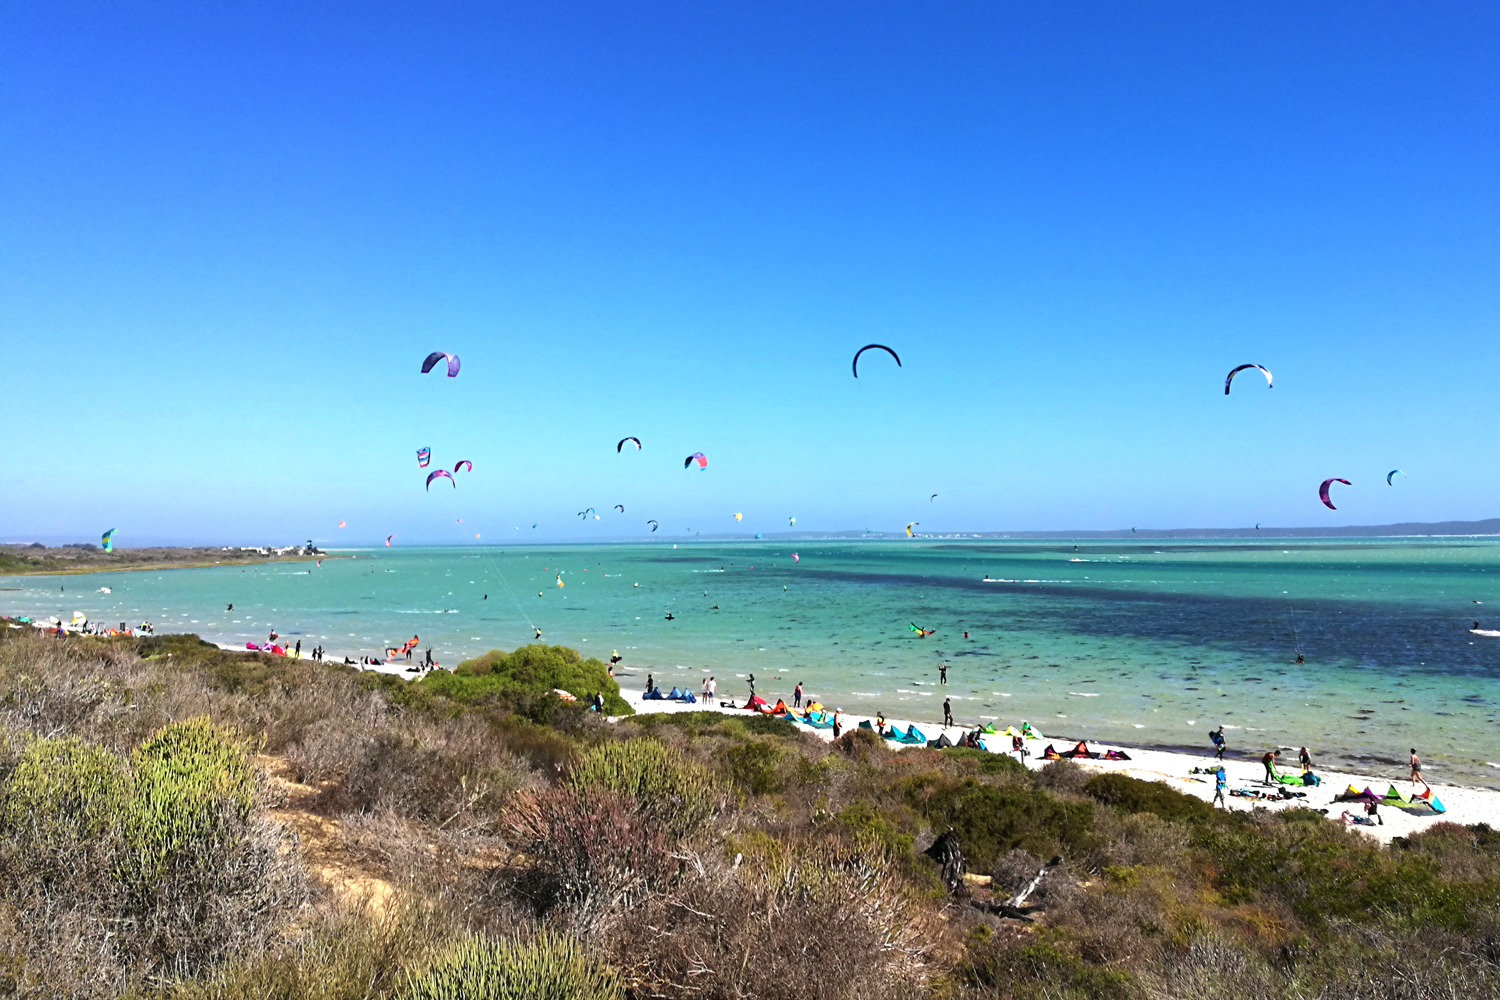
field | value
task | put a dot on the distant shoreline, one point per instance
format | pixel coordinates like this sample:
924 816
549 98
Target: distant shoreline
23 560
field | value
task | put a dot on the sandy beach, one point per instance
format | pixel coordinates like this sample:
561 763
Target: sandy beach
1464 805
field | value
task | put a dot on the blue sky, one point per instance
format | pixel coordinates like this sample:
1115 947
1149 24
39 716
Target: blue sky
231 232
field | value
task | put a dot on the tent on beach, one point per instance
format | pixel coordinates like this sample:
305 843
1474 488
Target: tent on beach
912 736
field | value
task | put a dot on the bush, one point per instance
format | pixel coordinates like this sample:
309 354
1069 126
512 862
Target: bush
148 864
752 766
1009 965
983 762
548 967
990 820
531 672
1134 795
667 789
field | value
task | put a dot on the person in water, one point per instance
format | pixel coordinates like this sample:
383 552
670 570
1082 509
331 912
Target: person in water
942 673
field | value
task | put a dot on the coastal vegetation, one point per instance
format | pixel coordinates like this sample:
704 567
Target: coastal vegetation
37 559
181 822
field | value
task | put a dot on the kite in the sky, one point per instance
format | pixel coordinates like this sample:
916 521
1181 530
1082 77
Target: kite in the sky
620 507
792 521
388 540
441 472
739 517
796 557
107 540
437 356
621 446
911 526
1393 472
424 455
341 524
465 464
654 525
1323 491
1230 377
932 498
698 457
867 347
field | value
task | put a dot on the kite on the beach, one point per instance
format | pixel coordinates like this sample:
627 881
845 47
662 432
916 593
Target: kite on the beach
441 472
388 540
739 516
107 540
1323 491
1393 472
654 525
437 356
465 464
424 455
621 446
911 526
620 507
1230 377
698 457
867 347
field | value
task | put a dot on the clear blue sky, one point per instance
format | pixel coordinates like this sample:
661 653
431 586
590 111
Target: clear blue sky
230 232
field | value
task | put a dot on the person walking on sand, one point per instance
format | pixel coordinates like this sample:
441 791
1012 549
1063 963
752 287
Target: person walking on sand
1416 768
797 695
942 673
1217 736
1269 760
298 653
947 713
752 685
1219 782
1305 759
838 722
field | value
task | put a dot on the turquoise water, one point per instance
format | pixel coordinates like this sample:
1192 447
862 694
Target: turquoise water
1143 643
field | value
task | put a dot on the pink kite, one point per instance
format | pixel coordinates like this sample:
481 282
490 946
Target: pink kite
440 472
1323 491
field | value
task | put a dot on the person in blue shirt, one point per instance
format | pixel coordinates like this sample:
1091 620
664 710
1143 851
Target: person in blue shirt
1219 782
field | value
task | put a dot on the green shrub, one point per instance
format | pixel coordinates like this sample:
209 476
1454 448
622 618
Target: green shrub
1134 795
667 788
705 723
984 762
548 967
752 766
527 673
990 820
1039 963
64 790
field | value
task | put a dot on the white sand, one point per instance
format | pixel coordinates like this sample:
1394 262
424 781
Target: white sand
1465 805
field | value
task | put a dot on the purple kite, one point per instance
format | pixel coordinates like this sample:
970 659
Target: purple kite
465 464
440 472
437 356
698 457
1230 377
424 455
1323 491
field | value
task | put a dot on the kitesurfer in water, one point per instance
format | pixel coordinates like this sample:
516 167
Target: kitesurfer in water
942 673
537 631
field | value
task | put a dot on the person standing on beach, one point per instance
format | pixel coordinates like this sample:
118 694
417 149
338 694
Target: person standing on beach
1217 736
1269 760
1416 768
648 682
838 722
947 713
298 653
713 688
752 685
1305 759
1220 780
942 673
879 722
797 695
